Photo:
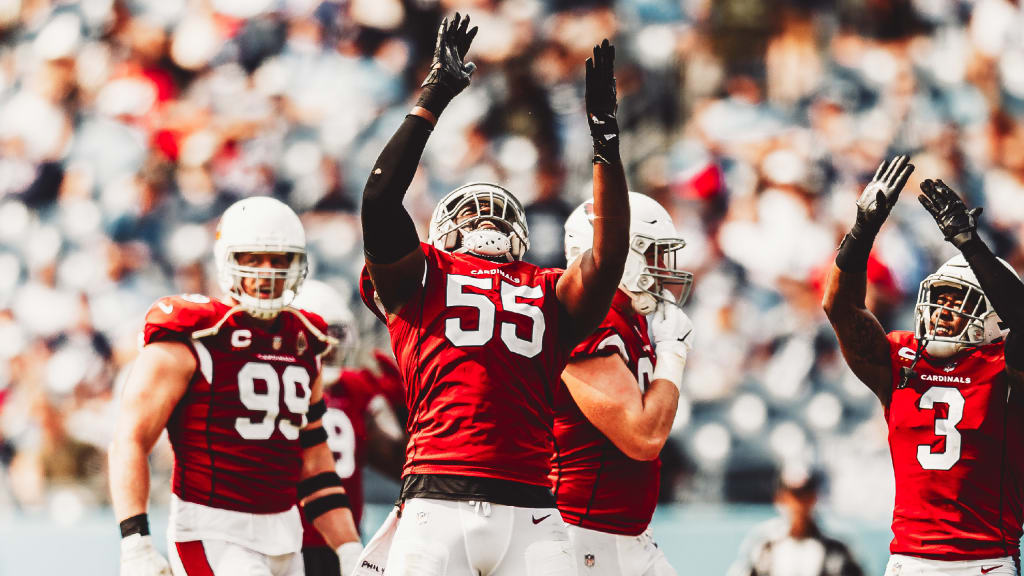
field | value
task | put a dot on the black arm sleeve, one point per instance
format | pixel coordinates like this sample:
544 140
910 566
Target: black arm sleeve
388 231
1002 287
1014 350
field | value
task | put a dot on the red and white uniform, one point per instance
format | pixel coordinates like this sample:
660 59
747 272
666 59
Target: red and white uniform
479 348
597 486
348 401
956 446
235 432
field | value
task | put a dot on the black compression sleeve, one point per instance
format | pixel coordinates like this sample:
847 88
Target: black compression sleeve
1002 287
389 233
1014 350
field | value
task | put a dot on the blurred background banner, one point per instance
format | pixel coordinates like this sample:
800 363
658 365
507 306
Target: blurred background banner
127 126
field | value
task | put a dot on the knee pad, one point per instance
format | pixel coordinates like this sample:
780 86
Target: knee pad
550 558
417 558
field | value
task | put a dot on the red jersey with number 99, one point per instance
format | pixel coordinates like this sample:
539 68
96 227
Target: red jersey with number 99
956 438
596 485
480 351
235 432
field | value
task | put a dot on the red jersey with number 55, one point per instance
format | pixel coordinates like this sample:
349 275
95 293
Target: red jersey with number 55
480 351
235 432
596 485
956 438
348 401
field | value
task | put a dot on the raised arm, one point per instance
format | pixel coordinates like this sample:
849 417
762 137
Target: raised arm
157 382
861 337
607 392
1001 285
390 242
587 287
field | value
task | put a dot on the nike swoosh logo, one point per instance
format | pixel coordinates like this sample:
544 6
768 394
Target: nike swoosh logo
655 221
987 570
167 308
539 520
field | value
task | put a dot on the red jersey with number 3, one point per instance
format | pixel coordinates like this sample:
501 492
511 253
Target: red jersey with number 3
348 401
479 348
235 432
596 485
956 439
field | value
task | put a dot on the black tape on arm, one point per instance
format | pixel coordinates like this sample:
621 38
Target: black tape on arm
312 437
318 482
316 411
318 507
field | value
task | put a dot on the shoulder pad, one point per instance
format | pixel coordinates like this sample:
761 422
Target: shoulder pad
177 317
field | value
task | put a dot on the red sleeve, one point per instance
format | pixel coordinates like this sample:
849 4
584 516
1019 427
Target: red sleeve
174 319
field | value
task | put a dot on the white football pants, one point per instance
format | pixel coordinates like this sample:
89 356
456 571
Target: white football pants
603 554
443 538
900 565
222 558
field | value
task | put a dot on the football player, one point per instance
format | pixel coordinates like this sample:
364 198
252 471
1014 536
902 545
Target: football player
361 426
235 383
950 389
481 338
620 397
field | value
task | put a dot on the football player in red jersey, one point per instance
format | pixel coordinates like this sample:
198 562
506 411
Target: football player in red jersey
235 383
616 411
481 338
951 389
361 427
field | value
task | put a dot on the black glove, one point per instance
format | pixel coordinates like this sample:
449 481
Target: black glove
449 72
601 105
959 226
879 196
873 207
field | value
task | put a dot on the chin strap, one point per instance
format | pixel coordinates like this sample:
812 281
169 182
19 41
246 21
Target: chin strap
907 372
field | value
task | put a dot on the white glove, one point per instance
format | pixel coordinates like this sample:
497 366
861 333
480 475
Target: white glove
139 558
348 556
673 339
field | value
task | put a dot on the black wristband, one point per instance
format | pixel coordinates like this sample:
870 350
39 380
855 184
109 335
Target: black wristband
316 411
138 524
435 98
318 482
312 437
324 504
853 254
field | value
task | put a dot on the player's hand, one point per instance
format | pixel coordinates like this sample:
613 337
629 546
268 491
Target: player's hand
601 103
669 324
139 558
959 225
449 72
880 195
348 557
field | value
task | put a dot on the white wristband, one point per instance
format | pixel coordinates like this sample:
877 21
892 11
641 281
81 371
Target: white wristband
671 356
349 553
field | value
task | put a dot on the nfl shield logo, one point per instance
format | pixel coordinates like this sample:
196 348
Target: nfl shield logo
301 344
588 560
276 343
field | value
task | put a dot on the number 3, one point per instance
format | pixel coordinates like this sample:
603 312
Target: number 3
952 398
482 334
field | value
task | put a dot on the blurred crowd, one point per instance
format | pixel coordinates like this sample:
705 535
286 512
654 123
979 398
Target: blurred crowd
127 126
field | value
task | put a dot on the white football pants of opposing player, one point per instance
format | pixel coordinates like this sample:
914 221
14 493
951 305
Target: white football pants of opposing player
900 565
444 538
603 554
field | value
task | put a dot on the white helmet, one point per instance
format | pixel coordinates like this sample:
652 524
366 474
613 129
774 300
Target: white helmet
651 233
983 324
319 298
476 203
260 224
